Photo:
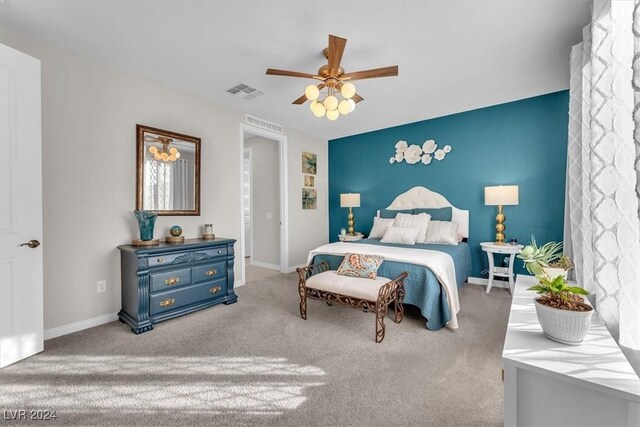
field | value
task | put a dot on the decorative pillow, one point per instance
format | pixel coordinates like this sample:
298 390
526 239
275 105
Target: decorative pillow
360 265
380 226
420 221
387 213
403 235
443 232
437 214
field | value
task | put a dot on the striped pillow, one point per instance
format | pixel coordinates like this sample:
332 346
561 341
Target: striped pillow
360 265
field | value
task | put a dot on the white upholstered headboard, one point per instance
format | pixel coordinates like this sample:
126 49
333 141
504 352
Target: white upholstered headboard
423 198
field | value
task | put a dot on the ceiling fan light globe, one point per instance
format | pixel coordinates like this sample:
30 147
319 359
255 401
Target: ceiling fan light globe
153 149
157 156
173 150
344 107
333 114
164 156
330 103
352 104
348 90
312 92
177 155
318 109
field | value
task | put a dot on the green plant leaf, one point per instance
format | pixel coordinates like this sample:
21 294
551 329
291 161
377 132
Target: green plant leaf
578 290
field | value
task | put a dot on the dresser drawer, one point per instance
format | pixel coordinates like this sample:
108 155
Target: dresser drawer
184 257
170 279
209 272
165 301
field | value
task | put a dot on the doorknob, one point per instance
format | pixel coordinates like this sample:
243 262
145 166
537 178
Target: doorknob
31 243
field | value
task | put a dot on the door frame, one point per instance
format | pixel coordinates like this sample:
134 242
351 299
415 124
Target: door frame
250 238
246 129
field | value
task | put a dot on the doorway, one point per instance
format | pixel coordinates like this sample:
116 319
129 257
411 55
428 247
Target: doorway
263 194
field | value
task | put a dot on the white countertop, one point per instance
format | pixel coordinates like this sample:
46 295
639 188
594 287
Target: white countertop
597 363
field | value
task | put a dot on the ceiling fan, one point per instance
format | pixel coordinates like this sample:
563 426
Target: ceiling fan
335 81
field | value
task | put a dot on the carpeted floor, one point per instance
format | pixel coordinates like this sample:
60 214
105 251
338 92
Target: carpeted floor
258 363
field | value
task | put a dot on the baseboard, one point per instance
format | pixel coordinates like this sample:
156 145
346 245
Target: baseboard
237 284
483 282
293 269
265 265
79 326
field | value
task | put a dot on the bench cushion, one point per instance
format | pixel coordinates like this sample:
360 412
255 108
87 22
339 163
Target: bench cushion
355 287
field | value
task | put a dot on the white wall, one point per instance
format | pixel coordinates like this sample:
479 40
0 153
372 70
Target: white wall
265 199
89 113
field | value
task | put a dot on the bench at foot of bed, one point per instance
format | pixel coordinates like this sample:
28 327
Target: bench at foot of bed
318 282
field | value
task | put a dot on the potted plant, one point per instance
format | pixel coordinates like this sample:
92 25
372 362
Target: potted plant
561 310
547 259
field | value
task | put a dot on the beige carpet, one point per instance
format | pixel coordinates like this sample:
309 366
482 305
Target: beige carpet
258 363
253 273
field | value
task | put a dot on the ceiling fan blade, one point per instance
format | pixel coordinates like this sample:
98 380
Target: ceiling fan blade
357 98
303 98
371 74
300 100
286 73
336 49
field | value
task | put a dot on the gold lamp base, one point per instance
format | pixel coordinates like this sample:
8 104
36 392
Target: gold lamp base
351 221
500 227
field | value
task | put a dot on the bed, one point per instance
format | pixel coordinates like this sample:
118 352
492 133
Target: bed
435 271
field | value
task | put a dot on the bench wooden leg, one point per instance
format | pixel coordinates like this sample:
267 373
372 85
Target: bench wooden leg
302 290
381 312
399 308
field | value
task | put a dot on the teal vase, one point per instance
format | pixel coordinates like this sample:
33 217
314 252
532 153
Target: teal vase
146 222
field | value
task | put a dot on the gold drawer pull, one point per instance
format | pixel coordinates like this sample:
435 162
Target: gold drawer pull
211 272
171 281
159 260
214 290
168 302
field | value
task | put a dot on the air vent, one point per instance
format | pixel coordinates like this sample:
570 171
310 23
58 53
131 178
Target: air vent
264 124
243 90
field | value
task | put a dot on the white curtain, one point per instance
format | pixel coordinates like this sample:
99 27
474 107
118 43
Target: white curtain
158 184
603 166
180 185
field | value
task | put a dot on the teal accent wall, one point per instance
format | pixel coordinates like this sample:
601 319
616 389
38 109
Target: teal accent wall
522 143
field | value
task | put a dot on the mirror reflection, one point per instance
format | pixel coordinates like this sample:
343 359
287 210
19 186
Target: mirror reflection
168 176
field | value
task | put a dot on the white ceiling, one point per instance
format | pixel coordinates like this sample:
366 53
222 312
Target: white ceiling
453 55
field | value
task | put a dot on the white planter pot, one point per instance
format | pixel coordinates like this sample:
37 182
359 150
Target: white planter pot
552 273
563 326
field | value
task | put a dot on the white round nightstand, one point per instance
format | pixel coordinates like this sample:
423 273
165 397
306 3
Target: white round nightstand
491 249
351 238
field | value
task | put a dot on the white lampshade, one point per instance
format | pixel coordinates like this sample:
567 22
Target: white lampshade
350 200
312 92
501 195
348 90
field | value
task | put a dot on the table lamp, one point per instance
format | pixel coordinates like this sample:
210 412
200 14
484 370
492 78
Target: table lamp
501 195
350 200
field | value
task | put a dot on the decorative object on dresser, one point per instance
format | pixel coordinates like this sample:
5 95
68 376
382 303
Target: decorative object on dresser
175 235
167 172
146 224
350 200
207 232
547 259
350 238
500 196
491 249
375 295
413 153
167 281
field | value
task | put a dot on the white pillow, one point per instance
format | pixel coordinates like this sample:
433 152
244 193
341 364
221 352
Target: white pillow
443 232
380 226
404 235
420 221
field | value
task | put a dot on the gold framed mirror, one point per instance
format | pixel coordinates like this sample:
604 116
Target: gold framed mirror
167 172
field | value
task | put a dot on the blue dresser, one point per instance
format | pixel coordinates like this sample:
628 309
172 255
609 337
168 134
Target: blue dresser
168 280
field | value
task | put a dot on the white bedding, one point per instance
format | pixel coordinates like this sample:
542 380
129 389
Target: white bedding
440 263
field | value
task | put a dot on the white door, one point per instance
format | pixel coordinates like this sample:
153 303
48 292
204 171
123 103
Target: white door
21 313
